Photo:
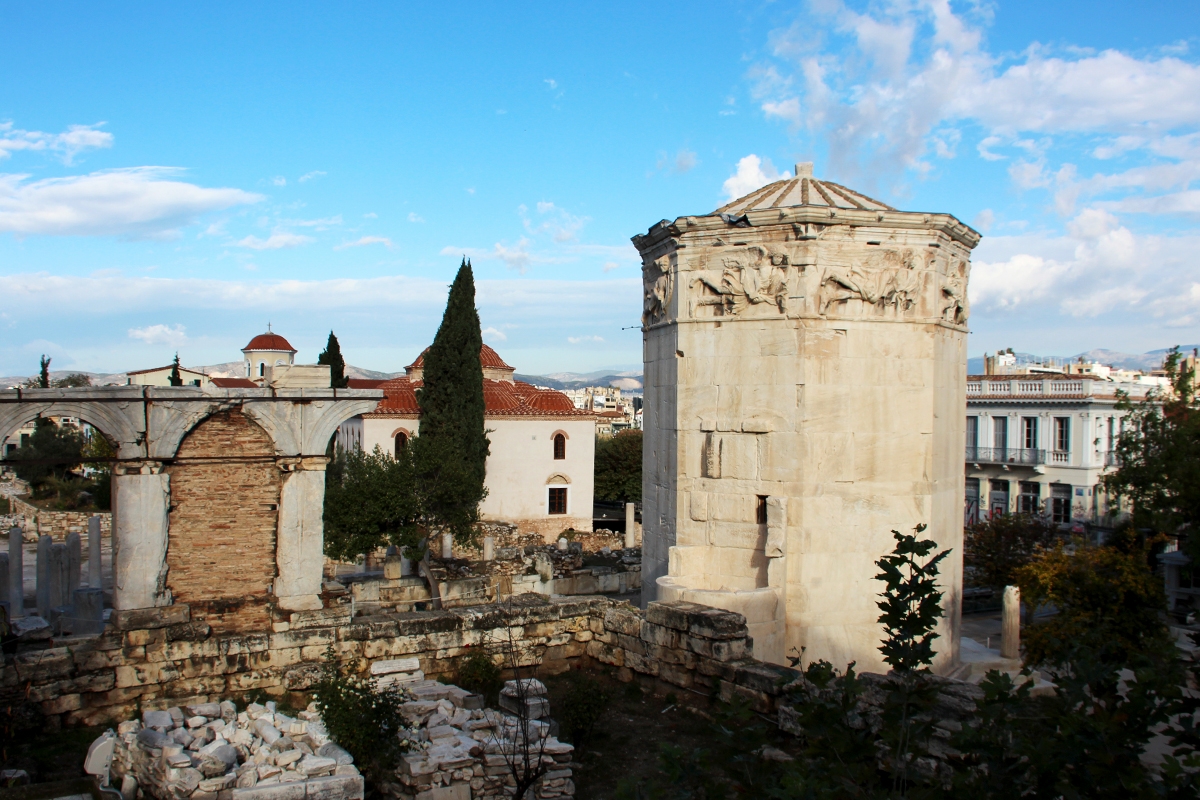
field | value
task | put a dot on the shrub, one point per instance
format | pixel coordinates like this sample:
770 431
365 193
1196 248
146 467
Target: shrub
584 705
479 673
361 717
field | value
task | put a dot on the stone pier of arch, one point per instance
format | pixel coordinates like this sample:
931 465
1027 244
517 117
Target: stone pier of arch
241 529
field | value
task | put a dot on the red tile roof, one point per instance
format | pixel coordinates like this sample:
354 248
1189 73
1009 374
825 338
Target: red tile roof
488 358
269 341
233 383
501 399
364 383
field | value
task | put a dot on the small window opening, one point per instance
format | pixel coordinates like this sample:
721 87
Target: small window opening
262 368
401 443
558 500
761 514
560 447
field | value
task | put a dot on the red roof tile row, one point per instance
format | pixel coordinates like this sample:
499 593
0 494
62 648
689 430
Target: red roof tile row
500 398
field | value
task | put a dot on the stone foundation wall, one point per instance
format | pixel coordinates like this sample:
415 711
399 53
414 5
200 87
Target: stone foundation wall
160 658
58 524
225 491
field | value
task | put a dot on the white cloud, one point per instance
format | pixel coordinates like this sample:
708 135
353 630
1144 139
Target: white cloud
139 201
370 215
67 145
321 224
553 84
415 217
609 266
279 180
1098 267
366 240
308 176
275 241
584 339
913 73
558 222
160 334
984 220
494 334
752 173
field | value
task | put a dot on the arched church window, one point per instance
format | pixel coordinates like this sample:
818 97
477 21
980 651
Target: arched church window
401 443
560 447
262 368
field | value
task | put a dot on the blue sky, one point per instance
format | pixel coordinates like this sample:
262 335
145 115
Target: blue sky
173 177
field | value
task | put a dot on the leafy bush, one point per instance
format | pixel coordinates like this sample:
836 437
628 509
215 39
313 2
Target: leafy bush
582 707
480 674
361 717
994 549
618 467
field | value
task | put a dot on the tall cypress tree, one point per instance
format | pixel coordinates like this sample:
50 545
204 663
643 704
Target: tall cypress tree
44 374
332 355
452 449
175 379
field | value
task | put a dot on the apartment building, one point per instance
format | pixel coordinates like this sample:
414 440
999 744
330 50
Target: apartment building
1041 444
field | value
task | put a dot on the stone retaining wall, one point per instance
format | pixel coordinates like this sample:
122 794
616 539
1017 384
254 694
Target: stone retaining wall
58 523
160 658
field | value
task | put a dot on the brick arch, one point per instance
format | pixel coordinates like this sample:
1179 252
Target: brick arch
221 538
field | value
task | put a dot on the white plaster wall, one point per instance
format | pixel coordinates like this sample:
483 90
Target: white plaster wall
520 469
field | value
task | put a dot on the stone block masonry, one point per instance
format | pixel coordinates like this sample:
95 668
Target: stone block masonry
58 524
160 658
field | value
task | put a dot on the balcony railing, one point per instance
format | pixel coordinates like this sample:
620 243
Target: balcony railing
1005 455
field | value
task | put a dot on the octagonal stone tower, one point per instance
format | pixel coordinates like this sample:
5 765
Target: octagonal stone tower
805 374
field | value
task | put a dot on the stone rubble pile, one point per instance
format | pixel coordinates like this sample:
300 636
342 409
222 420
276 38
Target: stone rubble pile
466 749
210 751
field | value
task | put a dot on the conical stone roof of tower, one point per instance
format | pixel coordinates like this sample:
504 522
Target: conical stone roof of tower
802 190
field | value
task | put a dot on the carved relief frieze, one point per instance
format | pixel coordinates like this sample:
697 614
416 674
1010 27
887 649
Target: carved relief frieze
656 289
954 307
887 281
755 277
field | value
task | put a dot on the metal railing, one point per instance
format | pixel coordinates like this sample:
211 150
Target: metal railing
1005 455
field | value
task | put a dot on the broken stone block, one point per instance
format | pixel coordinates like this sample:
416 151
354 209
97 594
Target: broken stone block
32 629
210 710
395 665
338 754
316 765
157 719
152 738
89 611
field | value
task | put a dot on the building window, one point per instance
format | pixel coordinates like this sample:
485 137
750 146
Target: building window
971 512
1062 434
760 513
1029 433
1000 434
1060 503
262 368
560 447
558 500
973 432
998 498
1029 497
401 443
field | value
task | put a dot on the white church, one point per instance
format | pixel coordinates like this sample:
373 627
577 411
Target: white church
540 471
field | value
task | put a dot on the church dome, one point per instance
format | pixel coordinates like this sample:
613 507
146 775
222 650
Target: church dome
271 342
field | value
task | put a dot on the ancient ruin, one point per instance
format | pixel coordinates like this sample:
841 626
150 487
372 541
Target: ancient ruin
805 357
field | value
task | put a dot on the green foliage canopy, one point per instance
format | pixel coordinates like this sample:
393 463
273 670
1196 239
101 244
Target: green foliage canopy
450 454
332 355
618 472
1158 457
911 604
994 549
370 501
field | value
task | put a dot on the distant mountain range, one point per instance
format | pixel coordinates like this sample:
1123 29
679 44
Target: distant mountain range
1112 358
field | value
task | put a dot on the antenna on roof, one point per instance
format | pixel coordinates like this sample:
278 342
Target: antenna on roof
268 326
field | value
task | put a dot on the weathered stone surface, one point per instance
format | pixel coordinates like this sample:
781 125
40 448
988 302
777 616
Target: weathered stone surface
150 618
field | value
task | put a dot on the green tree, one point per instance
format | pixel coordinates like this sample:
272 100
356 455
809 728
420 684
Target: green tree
175 379
370 502
994 549
1158 456
450 454
618 470
332 355
75 380
52 452
42 381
